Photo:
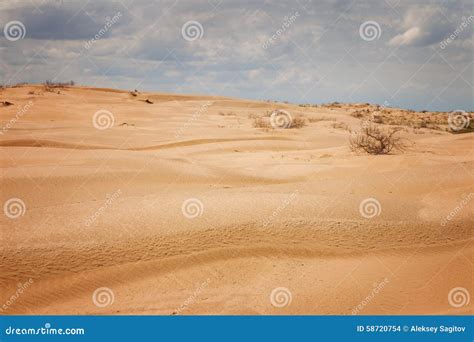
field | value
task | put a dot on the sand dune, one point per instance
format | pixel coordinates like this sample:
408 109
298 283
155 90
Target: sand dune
268 209
57 144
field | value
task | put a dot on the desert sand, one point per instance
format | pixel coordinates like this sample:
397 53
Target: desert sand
268 209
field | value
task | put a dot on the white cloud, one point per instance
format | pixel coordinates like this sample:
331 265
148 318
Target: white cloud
424 26
410 37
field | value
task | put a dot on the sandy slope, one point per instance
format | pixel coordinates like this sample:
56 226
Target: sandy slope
280 209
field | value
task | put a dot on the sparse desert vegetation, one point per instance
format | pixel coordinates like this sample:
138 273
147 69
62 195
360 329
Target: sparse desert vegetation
51 84
56 87
437 121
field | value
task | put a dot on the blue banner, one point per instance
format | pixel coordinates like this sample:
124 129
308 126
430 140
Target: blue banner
237 328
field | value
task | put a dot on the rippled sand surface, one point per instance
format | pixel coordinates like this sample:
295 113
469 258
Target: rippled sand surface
181 206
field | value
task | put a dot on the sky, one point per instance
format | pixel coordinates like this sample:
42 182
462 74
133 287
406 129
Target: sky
409 54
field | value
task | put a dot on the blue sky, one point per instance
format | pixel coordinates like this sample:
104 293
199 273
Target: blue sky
394 52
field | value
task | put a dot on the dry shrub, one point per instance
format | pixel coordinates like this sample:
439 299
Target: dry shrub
373 140
298 122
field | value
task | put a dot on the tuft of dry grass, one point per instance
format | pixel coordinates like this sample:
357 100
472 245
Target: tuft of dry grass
261 122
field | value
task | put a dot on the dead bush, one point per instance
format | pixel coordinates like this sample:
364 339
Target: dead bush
373 140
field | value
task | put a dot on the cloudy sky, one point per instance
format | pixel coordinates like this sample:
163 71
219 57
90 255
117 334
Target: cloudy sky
410 54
